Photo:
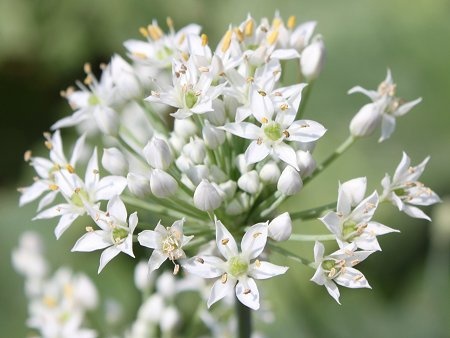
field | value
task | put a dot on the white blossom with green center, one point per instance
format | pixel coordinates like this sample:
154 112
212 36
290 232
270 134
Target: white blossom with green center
276 117
115 236
239 269
351 223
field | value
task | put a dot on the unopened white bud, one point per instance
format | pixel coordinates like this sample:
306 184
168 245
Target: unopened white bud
157 153
195 150
241 164
217 116
176 142
185 128
231 105
229 188
114 161
213 136
280 228
162 184
197 173
170 318
151 310
126 83
85 293
290 181
142 279
206 196
312 59
238 205
270 173
165 285
217 174
249 182
139 185
366 120
306 163
183 163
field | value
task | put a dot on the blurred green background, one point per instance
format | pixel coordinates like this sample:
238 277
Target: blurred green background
44 43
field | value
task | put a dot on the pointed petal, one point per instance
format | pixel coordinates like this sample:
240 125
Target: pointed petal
365 210
372 94
286 154
116 208
220 290
333 222
254 240
243 129
333 290
415 212
77 150
264 270
352 278
109 186
92 171
204 266
305 131
64 223
155 261
247 293
150 239
106 256
319 250
256 152
32 192
387 127
225 241
92 241
406 107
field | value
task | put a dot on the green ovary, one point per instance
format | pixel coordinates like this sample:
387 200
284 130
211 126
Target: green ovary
191 99
93 100
273 131
328 264
237 266
119 234
349 229
78 197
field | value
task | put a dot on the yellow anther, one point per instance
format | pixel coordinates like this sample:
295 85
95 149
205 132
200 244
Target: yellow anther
224 278
139 55
226 42
185 56
277 94
248 29
87 68
181 39
225 241
88 80
256 234
70 169
53 187
200 260
276 22
284 106
286 133
247 291
264 120
49 301
27 155
259 141
354 262
239 34
143 32
257 263
68 291
89 229
272 37
304 125
95 171
262 92
176 269
77 190
357 278
250 79
204 39
48 145
169 22
291 22
155 32
103 66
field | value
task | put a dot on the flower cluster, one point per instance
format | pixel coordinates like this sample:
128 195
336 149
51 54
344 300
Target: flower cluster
213 141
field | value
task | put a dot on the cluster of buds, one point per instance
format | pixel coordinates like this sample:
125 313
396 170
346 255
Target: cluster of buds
213 141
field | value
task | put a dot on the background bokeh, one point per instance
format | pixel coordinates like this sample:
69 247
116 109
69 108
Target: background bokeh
44 43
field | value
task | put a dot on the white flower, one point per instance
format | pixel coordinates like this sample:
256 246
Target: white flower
385 103
167 243
312 59
239 269
116 234
354 225
270 137
289 182
158 154
337 268
206 196
405 191
280 228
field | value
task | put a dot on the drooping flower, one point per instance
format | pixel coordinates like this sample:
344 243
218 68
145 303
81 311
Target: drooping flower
351 223
338 268
167 243
239 269
115 236
405 191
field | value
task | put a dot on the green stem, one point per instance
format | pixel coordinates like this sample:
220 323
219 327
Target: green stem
244 317
312 213
311 238
330 159
290 255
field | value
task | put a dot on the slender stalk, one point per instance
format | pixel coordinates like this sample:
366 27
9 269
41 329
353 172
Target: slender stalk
311 238
312 213
330 159
244 317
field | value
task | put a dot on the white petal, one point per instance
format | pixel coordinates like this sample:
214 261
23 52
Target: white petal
155 261
47 199
106 256
319 250
256 152
387 127
406 107
116 208
365 210
64 223
332 290
77 150
333 222
355 190
92 171
379 229
285 54
132 222
254 240
415 212
109 186
54 211
305 131
250 299
220 290
402 168
204 266
150 239
372 94
264 270
92 241
286 154
243 129
225 241
352 278
32 192
127 246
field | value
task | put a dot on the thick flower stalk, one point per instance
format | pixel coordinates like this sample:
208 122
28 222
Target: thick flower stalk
192 136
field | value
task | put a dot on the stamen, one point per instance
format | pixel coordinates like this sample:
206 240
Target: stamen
70 169
224 278
169 23
87 68
262 92
225 241
143 32
257 263
256 234
176 269
286 133
247 291
239 34
264 120
200 260
354 262
291 22
53 187
89 229
248 29
284 106
272 37
204 40
27 155
226 41
259 141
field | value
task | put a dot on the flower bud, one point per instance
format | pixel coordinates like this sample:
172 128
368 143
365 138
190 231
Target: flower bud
213 136
170 318
195 150
165 285
142 279
162 184
229 188
241 164
217 174
306 163
270 173
206 196
217 116
157 153
183 163
238 205
139 185
184 128
365 121
312 59
114 161
152 309
176 142
280 228
84 292
249 182
290 181
197 173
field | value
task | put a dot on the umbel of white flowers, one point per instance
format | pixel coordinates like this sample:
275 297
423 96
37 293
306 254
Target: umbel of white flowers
193 137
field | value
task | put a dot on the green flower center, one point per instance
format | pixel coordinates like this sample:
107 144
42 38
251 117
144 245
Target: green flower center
119 234
93 100
164 53
328 264
400 192
78 197
349 229
237 266
191 99
273 131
